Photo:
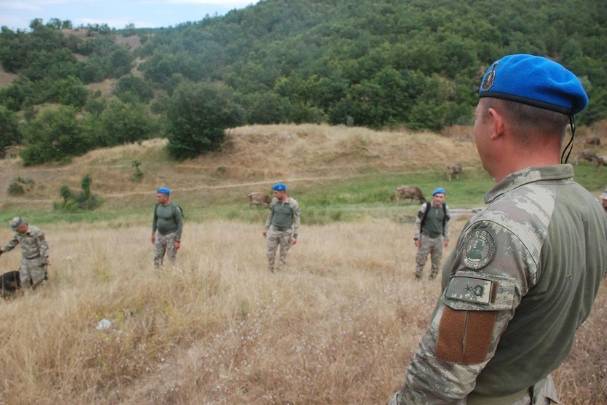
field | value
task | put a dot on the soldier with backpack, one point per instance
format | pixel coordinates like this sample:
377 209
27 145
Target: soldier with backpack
166 227
431 232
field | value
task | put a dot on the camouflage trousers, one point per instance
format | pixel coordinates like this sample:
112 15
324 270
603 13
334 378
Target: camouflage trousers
32 272
165 244
541 393
434 248
275 239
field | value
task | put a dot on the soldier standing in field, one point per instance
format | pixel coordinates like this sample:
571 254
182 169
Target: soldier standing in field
526 269
282 225
431 232
34 252
167 226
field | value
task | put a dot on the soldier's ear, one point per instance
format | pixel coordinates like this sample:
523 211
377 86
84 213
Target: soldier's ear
497 123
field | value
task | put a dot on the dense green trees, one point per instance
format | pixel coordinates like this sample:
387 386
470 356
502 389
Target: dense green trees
377 63
9 129
198 115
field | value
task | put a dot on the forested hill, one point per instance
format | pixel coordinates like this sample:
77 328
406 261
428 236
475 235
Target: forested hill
381 62
372 63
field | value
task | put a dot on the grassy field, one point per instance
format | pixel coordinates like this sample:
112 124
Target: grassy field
337 326
348 199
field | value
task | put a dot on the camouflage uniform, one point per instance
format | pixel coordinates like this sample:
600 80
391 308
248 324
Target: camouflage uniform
167 225
431 241
281 234
34 256
525 271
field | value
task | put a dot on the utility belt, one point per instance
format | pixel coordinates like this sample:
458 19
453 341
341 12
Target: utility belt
32 257
281 228
431 235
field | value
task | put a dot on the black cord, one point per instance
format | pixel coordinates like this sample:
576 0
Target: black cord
570 144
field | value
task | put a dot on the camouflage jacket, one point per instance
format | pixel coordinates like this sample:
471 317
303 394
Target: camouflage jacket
295 214
33 244
521 280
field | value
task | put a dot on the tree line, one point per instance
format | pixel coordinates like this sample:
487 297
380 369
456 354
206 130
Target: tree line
414 63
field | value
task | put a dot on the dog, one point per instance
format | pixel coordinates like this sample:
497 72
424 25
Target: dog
10 282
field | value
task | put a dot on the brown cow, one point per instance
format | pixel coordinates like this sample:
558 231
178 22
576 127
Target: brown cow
454 170
408 193
593 140
592 157
258 198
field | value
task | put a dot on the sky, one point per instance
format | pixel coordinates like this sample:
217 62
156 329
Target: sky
17 14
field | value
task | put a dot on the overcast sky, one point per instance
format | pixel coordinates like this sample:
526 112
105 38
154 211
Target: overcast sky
116 13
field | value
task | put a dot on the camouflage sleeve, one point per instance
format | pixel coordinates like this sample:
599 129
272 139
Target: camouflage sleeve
178 221
155 220
270 214
10 245
488 278
418 221
42 245
446 230
296 217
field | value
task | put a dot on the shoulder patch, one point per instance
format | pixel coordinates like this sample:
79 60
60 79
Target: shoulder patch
479 249
468 289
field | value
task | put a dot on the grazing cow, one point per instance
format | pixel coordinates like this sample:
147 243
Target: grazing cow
593 140
258 198
10 282
593 158
454 170
408 193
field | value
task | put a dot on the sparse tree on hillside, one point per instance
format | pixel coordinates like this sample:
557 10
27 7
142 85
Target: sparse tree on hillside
198 115
53 135
9 129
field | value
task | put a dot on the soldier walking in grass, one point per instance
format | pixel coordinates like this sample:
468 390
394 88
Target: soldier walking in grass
166 227
282 225
34 252
431 232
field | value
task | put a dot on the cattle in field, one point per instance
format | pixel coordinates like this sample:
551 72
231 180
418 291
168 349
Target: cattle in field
454 171
592 158
408 193
259 199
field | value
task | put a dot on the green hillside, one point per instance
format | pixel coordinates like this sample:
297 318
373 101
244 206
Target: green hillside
366 63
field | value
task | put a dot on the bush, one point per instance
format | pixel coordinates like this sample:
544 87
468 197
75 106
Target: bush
85 200
20 186
53 136
197 116
9 129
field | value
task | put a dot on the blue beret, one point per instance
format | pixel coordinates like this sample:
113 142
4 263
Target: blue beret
536 81
438 190
164 190
279 187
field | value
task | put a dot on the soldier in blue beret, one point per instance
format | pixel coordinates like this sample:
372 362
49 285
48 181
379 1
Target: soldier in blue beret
167 227
282 225
527 268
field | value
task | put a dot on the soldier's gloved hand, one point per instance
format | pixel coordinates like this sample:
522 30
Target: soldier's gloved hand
294 241
177 244
418 243
153 238
264 233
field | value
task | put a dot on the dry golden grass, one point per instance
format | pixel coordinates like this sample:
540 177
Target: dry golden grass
260 153
338 326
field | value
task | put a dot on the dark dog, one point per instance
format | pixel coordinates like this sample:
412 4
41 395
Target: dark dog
10 282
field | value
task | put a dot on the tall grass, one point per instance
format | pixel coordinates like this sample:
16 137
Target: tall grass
337 326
